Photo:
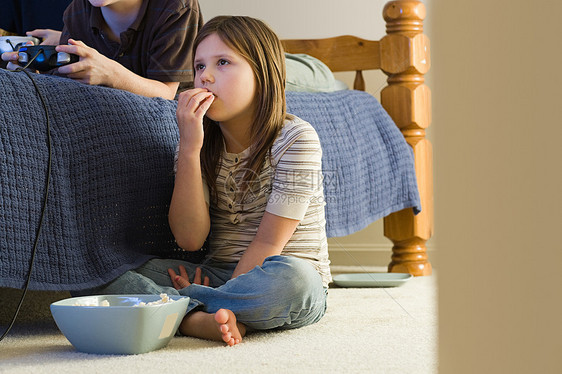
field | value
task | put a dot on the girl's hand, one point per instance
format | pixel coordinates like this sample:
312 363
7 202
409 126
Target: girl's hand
93 67
192 106
182 280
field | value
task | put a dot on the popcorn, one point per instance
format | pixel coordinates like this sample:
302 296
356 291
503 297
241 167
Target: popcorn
91 302
164 299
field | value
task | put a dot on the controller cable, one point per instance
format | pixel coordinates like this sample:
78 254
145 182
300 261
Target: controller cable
11 45
45 196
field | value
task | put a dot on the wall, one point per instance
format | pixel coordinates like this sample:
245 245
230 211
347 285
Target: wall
308 18
300 19
497 79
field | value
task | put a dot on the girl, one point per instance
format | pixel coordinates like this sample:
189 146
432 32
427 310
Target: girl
249 178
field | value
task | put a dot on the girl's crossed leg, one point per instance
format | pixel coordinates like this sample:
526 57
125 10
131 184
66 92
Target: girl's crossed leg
285 293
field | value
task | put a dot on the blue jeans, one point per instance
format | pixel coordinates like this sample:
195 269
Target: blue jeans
285 292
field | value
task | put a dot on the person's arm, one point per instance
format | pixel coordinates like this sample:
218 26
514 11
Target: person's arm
96 69
171 43
189 214
273 233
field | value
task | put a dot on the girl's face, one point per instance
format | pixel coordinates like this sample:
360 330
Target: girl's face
229 77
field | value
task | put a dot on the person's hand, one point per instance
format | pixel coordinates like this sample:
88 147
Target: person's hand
49 36
192 106
12 58
93 67
182 280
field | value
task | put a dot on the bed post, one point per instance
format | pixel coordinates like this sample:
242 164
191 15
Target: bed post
405 59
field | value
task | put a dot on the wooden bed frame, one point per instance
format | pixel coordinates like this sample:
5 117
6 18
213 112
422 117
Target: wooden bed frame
403 55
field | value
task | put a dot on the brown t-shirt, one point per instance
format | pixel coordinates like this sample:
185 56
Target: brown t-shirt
158 45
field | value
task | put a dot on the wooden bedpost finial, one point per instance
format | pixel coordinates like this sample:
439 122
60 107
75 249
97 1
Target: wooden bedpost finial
405 59
404 16
406 48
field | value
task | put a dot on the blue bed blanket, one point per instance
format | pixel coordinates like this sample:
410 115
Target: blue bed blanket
112 178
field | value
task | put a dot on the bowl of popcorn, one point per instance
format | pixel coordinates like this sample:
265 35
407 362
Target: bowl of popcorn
119 324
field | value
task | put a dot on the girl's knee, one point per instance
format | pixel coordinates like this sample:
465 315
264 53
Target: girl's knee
299 277
292 267
299 295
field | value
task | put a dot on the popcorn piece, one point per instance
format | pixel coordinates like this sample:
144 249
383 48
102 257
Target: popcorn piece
91 302
164 299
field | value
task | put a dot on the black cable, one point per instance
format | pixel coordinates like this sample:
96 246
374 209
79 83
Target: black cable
45 198
11 45
30 77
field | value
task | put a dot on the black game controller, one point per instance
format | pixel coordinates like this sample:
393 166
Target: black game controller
47 57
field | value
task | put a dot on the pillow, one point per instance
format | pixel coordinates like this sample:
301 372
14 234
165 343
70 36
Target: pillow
308 74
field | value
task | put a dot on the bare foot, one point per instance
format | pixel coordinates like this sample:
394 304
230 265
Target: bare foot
221 326
229 328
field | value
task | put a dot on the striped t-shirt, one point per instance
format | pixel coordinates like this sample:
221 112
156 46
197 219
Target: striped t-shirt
289 185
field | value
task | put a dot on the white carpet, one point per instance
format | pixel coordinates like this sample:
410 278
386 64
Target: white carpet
375 330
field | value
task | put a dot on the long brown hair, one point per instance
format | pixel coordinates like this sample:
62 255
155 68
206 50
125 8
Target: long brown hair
260 46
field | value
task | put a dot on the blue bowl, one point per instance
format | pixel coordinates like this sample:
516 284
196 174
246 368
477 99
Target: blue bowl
123 327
